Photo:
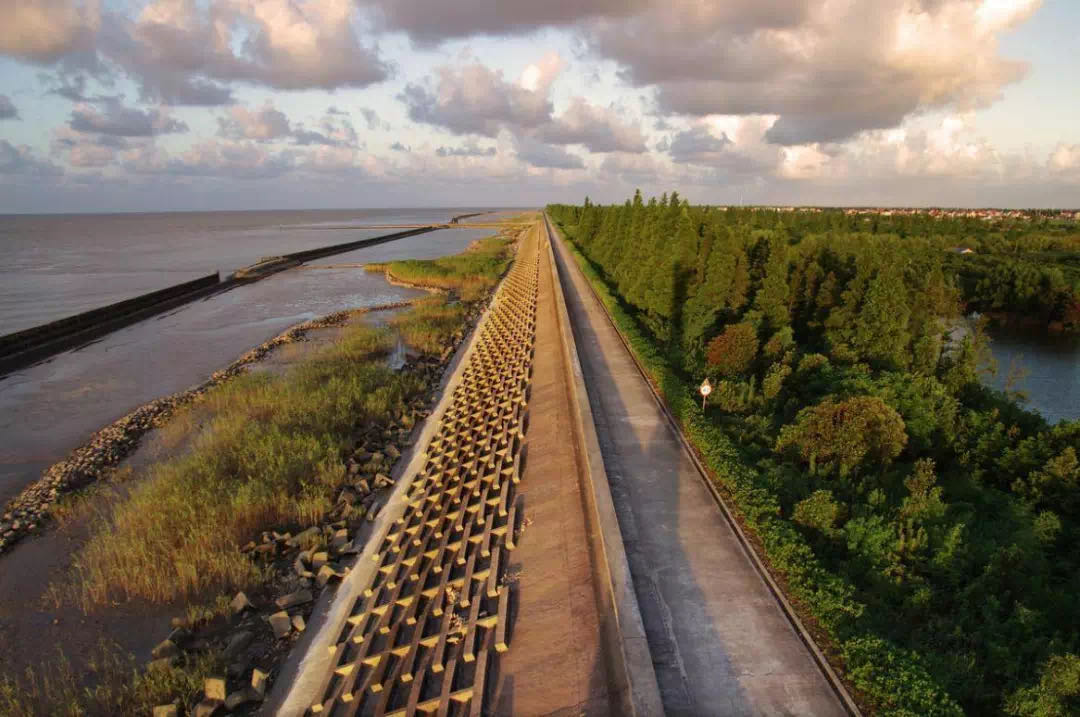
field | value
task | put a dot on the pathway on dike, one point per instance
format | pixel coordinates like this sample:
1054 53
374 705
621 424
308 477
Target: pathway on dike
720 643
478 592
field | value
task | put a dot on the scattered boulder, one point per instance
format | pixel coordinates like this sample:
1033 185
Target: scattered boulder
293 599
240 603
259 681
280 624
214 689
207 708
240 697
298 623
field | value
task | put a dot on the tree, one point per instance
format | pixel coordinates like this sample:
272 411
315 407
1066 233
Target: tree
732 353
841 435
1056 695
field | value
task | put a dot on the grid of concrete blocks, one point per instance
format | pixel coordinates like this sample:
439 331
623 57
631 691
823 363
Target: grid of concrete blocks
423 636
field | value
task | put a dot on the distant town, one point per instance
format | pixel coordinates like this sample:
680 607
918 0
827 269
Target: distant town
990 215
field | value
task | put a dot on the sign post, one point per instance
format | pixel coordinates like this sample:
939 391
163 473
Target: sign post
706 389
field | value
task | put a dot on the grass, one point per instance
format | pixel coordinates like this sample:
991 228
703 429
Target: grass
470 274
118 685
430 324
267 454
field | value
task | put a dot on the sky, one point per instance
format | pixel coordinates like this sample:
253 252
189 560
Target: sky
161 105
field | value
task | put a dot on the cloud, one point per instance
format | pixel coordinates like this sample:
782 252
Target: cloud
1065 159
399 147
88 150
539 154
7 108
338 133
43 31
474 99
213 158
268 124
189 51
597 128
468 150
263 124
828 69
121 121
20 160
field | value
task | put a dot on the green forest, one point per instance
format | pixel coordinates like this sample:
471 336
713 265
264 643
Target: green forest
927 524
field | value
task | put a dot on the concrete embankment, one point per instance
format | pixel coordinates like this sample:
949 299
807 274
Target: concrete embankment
23 348
484 588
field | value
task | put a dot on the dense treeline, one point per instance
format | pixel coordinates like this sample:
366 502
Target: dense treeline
930 525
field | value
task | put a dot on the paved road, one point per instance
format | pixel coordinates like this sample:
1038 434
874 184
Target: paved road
720 643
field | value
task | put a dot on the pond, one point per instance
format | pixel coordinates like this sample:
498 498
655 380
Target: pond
1048 368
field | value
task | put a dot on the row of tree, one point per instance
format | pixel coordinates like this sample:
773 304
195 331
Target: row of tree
849 381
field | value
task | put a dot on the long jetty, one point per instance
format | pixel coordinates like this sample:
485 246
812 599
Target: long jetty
29 346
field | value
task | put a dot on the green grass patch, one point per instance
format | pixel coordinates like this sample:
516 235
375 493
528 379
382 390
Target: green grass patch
269 455
470 274
117 685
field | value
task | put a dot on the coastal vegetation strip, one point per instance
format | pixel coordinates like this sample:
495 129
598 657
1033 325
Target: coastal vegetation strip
925 523
281 471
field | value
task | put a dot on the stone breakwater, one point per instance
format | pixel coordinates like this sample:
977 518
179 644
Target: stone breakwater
27 512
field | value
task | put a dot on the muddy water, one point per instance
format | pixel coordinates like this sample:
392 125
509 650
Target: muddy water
49 409
58 265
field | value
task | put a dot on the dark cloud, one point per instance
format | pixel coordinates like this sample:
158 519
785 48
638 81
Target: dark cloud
433 22
749 157
21 160
372 120
118 120
697 145
598 129
399 147
7 108
468 150
539 154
